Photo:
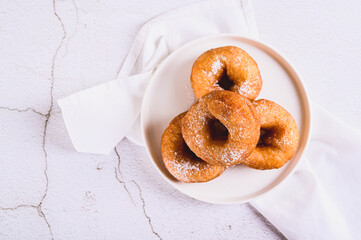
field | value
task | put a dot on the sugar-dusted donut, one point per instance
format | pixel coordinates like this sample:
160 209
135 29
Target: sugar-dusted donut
180 161
279 137
222 128
226 68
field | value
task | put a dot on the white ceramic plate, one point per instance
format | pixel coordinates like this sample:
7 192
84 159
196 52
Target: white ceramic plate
169 93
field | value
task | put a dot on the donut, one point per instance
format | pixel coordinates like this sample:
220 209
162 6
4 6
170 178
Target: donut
180 161
222 128
226 68
278 139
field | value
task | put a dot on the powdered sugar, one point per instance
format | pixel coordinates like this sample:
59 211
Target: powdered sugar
231 155
214 69
216 66
245 88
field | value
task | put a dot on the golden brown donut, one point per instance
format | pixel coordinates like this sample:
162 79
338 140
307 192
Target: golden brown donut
180 161
279 137
222 128
226 68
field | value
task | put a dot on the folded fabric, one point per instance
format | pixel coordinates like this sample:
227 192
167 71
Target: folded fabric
318 201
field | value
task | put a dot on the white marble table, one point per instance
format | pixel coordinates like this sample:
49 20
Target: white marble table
51 49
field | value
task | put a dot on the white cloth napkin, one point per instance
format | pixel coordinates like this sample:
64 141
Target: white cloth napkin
318 201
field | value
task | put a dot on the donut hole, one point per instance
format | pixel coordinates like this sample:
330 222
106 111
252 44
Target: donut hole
189 153
225 82
218 132
266 133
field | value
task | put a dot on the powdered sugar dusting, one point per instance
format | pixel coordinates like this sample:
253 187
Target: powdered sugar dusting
230 155
245 88
216 66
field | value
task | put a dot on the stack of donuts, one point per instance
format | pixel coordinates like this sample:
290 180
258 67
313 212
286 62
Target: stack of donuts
227 126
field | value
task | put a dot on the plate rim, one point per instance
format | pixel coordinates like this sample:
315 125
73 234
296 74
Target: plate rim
302 86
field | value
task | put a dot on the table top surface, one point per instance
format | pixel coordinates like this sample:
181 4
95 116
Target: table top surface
52 49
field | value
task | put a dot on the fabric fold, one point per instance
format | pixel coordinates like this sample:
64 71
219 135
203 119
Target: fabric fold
89 116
